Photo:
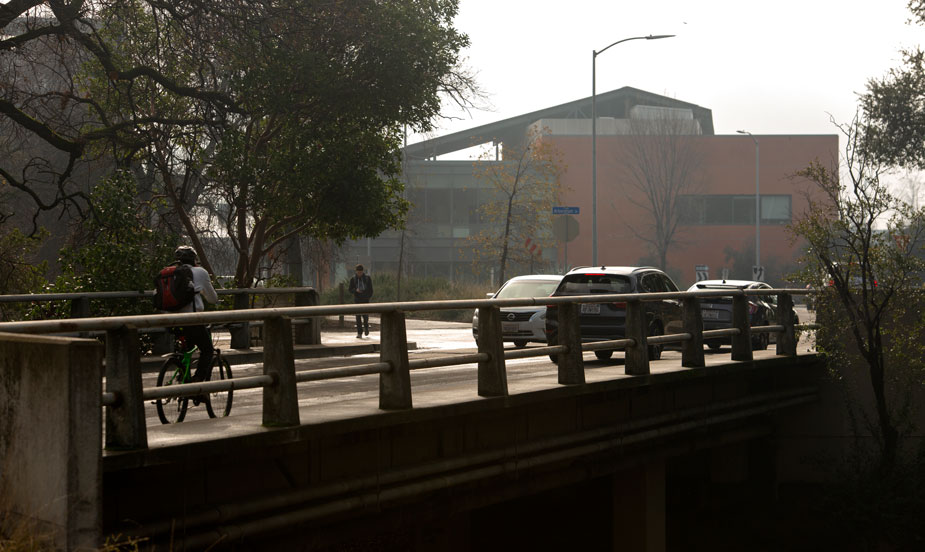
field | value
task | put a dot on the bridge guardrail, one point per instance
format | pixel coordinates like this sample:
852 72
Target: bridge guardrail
124 397
240 334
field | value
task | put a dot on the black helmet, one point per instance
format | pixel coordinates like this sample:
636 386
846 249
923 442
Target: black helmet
185 254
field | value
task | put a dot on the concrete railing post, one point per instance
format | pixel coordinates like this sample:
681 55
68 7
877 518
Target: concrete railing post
637 356
571 363
786 340
394 385
280 401
51 465
492 372
309 332
692 351
125 420
742 342
241 331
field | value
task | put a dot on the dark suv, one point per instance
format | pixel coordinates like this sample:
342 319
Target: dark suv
607 321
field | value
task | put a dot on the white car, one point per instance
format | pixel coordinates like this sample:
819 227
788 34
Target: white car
522 325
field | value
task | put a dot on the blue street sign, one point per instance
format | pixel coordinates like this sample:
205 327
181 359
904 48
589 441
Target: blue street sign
565 210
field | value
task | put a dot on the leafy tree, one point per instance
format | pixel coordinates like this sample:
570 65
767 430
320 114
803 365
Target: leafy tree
661 164
895 107
18 271
255 120
863 240
526 185
116 249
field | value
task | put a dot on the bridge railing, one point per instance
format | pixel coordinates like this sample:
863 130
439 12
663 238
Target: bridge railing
240 333
124 396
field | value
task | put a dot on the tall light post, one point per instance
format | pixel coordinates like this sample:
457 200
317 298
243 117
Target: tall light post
594 54
757 201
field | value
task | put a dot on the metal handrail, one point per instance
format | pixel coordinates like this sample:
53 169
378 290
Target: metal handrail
250 315
140 294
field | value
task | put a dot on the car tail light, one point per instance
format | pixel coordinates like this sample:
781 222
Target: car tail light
620 305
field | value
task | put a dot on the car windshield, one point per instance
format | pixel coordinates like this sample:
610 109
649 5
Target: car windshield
516 290
587 284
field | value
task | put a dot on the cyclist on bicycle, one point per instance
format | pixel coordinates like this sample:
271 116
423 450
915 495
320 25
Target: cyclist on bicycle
196 334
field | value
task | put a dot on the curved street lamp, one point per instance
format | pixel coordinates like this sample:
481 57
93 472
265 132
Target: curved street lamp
757 204
594 54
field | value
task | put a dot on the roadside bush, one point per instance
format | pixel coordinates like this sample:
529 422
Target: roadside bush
385 286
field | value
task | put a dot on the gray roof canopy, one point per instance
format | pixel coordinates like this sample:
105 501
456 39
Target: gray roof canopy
616 103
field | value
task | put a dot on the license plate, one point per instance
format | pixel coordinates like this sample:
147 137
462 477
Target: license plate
590 308
509 327
710 314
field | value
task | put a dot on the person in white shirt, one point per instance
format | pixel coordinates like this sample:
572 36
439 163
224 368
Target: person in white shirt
198 335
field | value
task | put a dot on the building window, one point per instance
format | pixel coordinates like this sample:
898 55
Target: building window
732 210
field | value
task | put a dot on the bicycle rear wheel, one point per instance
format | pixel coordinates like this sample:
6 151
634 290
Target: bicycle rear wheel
219 403
172 410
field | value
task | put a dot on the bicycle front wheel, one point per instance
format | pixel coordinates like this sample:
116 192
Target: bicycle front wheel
219 403
172 410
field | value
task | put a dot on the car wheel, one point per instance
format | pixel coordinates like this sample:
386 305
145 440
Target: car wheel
760 341
714 345
520 343
603 355
655 351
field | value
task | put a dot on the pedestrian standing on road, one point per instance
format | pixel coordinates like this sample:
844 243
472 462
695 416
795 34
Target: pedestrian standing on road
361 286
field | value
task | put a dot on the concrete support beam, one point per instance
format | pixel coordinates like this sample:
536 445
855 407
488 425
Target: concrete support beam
787 340
741 343
394 385
125 420
308 333
50 434
639 508
280 401
637 356
571 363
692 350
492 372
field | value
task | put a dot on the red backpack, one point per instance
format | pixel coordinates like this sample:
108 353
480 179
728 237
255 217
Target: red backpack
173 287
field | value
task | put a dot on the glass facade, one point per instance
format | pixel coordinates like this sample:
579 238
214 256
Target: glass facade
733 210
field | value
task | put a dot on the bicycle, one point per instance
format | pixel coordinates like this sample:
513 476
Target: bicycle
176 371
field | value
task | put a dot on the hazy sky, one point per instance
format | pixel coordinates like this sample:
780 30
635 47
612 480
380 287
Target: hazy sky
766 67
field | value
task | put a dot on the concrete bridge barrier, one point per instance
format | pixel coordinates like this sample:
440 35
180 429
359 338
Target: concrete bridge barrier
50 436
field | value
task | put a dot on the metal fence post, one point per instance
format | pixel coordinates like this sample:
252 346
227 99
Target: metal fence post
394 385
786 340
280 401
340 301
692 351
80 307
742 342
241 332
637 356
571 363
492 372
308 332
125 420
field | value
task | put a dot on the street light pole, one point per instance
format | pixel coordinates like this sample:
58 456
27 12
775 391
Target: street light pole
757 201
594 54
